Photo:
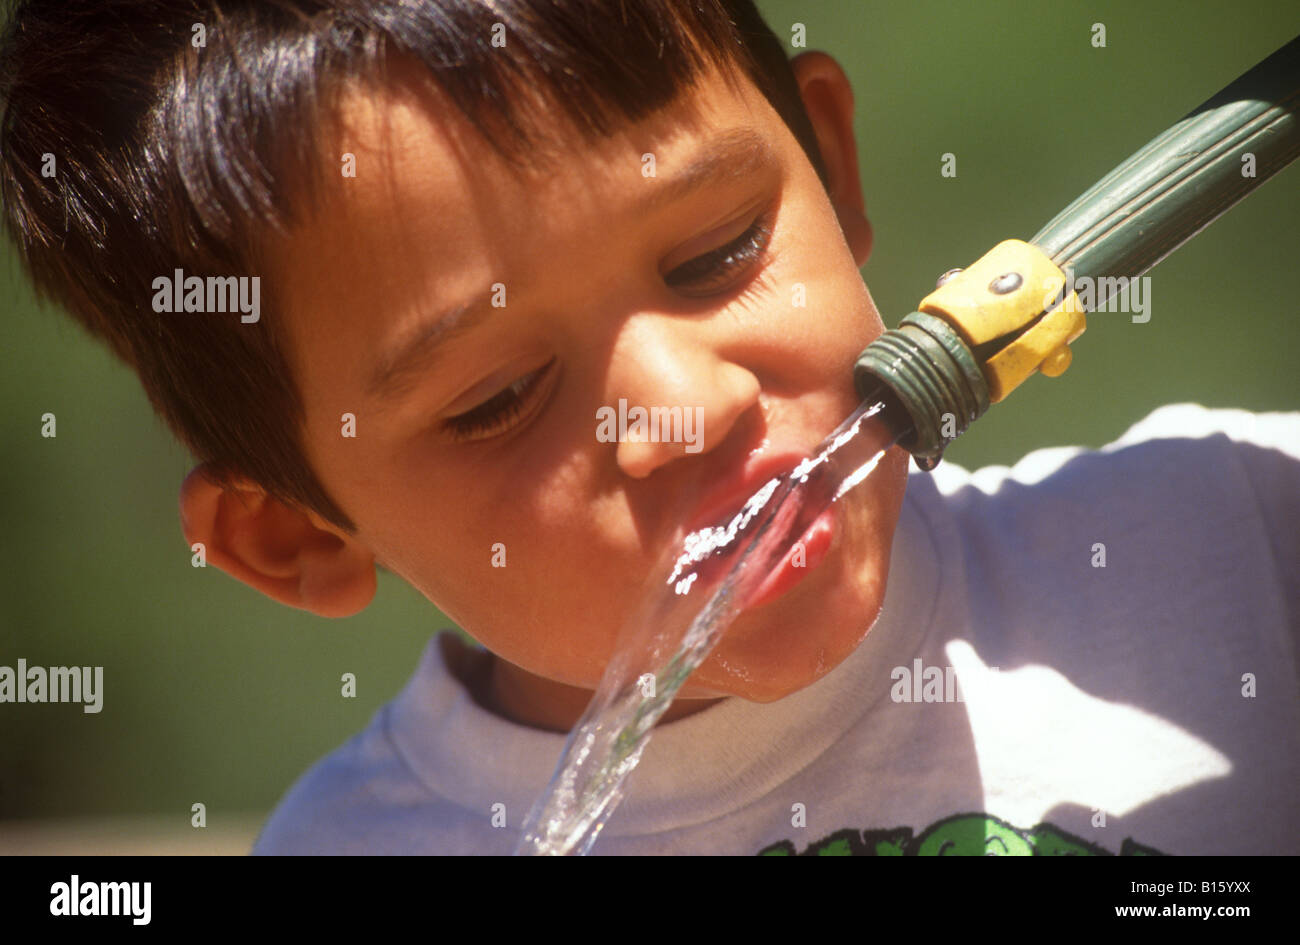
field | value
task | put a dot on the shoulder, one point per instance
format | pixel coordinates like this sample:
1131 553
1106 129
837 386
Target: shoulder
1280 431
396 787
345 803
1181 450
1184 489
1259 451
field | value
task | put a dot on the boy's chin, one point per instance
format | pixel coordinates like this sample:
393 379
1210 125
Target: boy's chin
777 649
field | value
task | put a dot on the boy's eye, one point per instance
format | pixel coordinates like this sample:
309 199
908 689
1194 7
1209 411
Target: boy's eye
716 269
704 275
502 410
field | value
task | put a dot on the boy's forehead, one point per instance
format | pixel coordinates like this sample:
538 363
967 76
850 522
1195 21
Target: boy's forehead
411 145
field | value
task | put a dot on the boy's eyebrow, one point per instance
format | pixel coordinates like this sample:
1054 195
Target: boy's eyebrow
732 155
393 372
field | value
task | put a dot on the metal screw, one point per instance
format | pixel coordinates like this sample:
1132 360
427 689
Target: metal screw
945 277
1006 283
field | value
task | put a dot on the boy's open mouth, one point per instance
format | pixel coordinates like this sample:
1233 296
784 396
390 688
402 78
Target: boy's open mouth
802 557
724 505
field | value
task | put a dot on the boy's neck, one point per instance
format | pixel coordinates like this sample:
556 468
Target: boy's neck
542 703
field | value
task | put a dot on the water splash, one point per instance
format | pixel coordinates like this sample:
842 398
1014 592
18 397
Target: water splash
711 577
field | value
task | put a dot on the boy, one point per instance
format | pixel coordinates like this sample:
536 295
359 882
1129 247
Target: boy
422 361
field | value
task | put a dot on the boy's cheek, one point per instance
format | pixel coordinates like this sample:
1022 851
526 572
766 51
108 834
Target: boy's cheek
820 289
550 604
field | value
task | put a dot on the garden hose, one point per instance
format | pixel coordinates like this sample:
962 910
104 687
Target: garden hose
1015 311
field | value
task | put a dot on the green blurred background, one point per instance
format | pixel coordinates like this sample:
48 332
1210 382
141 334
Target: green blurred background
215 694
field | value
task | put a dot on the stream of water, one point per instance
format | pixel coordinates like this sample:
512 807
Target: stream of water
697 590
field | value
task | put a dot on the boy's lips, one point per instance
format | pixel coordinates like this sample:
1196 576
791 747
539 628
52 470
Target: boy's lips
802 557
724 503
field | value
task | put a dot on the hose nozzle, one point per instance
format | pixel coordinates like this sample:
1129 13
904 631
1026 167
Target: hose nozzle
975 338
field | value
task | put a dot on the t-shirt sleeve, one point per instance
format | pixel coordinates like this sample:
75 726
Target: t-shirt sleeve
1267 448
359 799
1271 460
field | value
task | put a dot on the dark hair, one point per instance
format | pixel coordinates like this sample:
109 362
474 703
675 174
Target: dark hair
170 155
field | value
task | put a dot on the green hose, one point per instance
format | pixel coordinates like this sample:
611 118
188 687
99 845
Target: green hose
1159 198
1183 179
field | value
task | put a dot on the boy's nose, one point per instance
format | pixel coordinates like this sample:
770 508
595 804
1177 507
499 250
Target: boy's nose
690 397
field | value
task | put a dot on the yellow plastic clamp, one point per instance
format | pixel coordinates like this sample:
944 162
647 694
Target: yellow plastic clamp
1012 286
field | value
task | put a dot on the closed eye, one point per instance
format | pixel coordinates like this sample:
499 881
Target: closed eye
717 269
502 410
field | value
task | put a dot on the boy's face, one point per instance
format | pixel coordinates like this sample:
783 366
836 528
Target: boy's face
482 448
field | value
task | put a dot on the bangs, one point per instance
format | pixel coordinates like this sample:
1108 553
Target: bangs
241 112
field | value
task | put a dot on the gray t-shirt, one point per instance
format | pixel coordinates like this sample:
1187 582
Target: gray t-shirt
1091 652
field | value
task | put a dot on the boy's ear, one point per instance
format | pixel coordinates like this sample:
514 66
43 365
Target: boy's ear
291 556
828 99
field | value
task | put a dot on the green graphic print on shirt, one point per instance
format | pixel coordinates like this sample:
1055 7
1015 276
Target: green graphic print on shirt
958 835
